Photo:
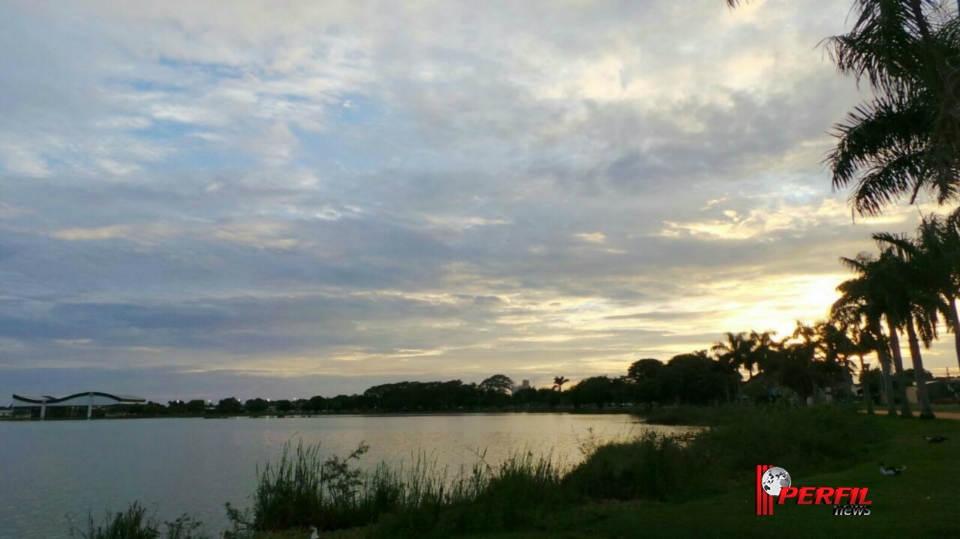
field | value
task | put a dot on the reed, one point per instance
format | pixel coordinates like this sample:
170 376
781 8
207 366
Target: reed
134 523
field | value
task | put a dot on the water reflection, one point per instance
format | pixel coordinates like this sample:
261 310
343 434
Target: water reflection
53 471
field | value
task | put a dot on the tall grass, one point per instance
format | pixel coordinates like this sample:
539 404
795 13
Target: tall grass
668 468
485 498
651 467
302 490
133 523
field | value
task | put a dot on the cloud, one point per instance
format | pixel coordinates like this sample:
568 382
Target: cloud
332 194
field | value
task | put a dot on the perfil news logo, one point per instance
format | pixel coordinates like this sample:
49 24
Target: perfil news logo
775 482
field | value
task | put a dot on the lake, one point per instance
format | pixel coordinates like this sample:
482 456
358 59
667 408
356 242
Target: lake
57 472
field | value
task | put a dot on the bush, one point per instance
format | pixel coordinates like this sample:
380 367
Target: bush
302 490
652 467
804 440
667 468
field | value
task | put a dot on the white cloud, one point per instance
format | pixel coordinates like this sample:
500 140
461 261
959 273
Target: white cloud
416 189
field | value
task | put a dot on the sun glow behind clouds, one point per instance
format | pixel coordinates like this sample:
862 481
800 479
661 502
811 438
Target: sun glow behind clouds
339 192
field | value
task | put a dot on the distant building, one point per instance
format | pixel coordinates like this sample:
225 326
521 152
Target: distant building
525 384
5 413
936 390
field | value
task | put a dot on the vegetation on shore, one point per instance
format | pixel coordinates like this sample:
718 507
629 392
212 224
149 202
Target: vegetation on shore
528 493
135 523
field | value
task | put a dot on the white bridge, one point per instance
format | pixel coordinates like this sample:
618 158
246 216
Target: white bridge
88 399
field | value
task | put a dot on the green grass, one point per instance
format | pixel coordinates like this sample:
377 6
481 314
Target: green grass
920 503
302 490
951 408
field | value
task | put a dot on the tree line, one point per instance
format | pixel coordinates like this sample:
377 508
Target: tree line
812 362
901 143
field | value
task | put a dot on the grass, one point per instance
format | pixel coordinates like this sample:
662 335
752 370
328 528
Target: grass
950 408
937 408
652 473
302 490
919 503
134 523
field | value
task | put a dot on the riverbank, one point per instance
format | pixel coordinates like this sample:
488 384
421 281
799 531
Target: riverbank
679 487
583 410
919 503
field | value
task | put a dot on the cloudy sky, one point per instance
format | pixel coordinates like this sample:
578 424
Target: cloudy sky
203 199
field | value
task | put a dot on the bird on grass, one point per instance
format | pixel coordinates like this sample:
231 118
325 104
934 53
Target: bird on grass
934 439
313 533
891 470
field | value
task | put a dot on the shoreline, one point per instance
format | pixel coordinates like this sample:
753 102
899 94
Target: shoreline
607 411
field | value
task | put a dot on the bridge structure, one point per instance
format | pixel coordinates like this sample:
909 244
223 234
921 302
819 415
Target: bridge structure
89 399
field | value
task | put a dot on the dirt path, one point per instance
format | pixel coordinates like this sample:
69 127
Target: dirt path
940 415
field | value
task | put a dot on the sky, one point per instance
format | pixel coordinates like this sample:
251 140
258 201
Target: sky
286 199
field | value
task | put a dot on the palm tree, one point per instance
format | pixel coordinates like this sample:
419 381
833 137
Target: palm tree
835 347
765 350
849 319
864 297
737 351
558 382
935 256
793 362
906 139
947 232
912 305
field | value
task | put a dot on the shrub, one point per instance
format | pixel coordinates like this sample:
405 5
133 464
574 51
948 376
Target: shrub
667 468
652 467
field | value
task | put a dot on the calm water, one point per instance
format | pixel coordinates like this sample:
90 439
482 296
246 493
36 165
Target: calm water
56 472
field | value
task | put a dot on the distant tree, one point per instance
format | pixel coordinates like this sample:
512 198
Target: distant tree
283 406
644 369
871 382
548 397
256 406
315 404
910 374
497 383
229 406
647 391
622 390
343 403
176 406
693 379
196 406
595 390
525 397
